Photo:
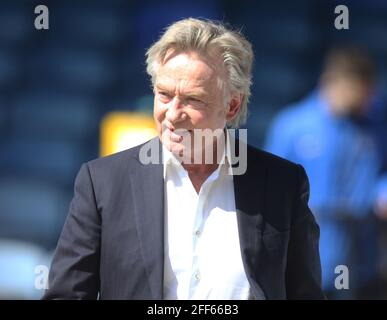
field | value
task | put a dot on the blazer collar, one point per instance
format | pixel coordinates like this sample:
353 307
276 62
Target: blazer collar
148 195
250 204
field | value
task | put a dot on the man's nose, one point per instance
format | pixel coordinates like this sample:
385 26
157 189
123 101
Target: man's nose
175 112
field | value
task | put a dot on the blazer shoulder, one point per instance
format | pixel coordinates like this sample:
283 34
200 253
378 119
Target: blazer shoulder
118 159
271 160
281 173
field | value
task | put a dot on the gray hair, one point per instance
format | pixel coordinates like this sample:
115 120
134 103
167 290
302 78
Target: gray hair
203 36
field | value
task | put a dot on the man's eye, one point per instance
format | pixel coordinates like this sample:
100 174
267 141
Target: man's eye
164 95
196 102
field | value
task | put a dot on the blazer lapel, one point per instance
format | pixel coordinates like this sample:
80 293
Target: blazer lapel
148 195
249 190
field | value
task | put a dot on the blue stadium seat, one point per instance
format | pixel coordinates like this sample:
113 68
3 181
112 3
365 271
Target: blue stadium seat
369 33
382 84
62 116
32 210
77 71
123 102
151 18
280 79
134 79
44 158
3 116
301 34
9 69
145 104
97 25
273 25
16 24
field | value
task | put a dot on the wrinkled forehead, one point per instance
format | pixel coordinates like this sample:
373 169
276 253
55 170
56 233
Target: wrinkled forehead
211 57
191 68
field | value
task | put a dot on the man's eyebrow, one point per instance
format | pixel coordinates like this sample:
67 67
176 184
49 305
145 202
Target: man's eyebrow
199 93
162 87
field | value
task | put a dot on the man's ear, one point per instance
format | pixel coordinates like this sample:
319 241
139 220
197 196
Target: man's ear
234 106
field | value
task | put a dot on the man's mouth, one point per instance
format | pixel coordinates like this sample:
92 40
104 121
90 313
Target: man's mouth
176 134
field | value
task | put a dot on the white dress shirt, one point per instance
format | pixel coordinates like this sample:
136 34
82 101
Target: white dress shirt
202 256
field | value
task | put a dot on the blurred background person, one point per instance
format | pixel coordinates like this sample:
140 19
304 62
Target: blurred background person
336 133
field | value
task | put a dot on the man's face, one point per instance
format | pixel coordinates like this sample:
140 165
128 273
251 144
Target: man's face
189 95
348 96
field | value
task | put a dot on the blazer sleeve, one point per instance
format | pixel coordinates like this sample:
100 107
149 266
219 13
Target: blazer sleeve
303 272
74 272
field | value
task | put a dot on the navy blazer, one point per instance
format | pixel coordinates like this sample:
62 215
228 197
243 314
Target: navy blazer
112 243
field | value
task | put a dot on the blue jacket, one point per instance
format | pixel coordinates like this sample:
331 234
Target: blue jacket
343 162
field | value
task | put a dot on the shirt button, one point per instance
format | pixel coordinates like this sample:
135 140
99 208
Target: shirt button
197 233
197 276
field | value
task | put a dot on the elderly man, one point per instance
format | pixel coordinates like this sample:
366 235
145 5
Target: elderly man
184 227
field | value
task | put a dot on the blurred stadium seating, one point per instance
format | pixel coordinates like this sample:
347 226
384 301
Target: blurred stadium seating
56 85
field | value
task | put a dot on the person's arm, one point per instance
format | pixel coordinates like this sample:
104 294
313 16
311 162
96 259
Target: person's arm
303 272
278 138
74 272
